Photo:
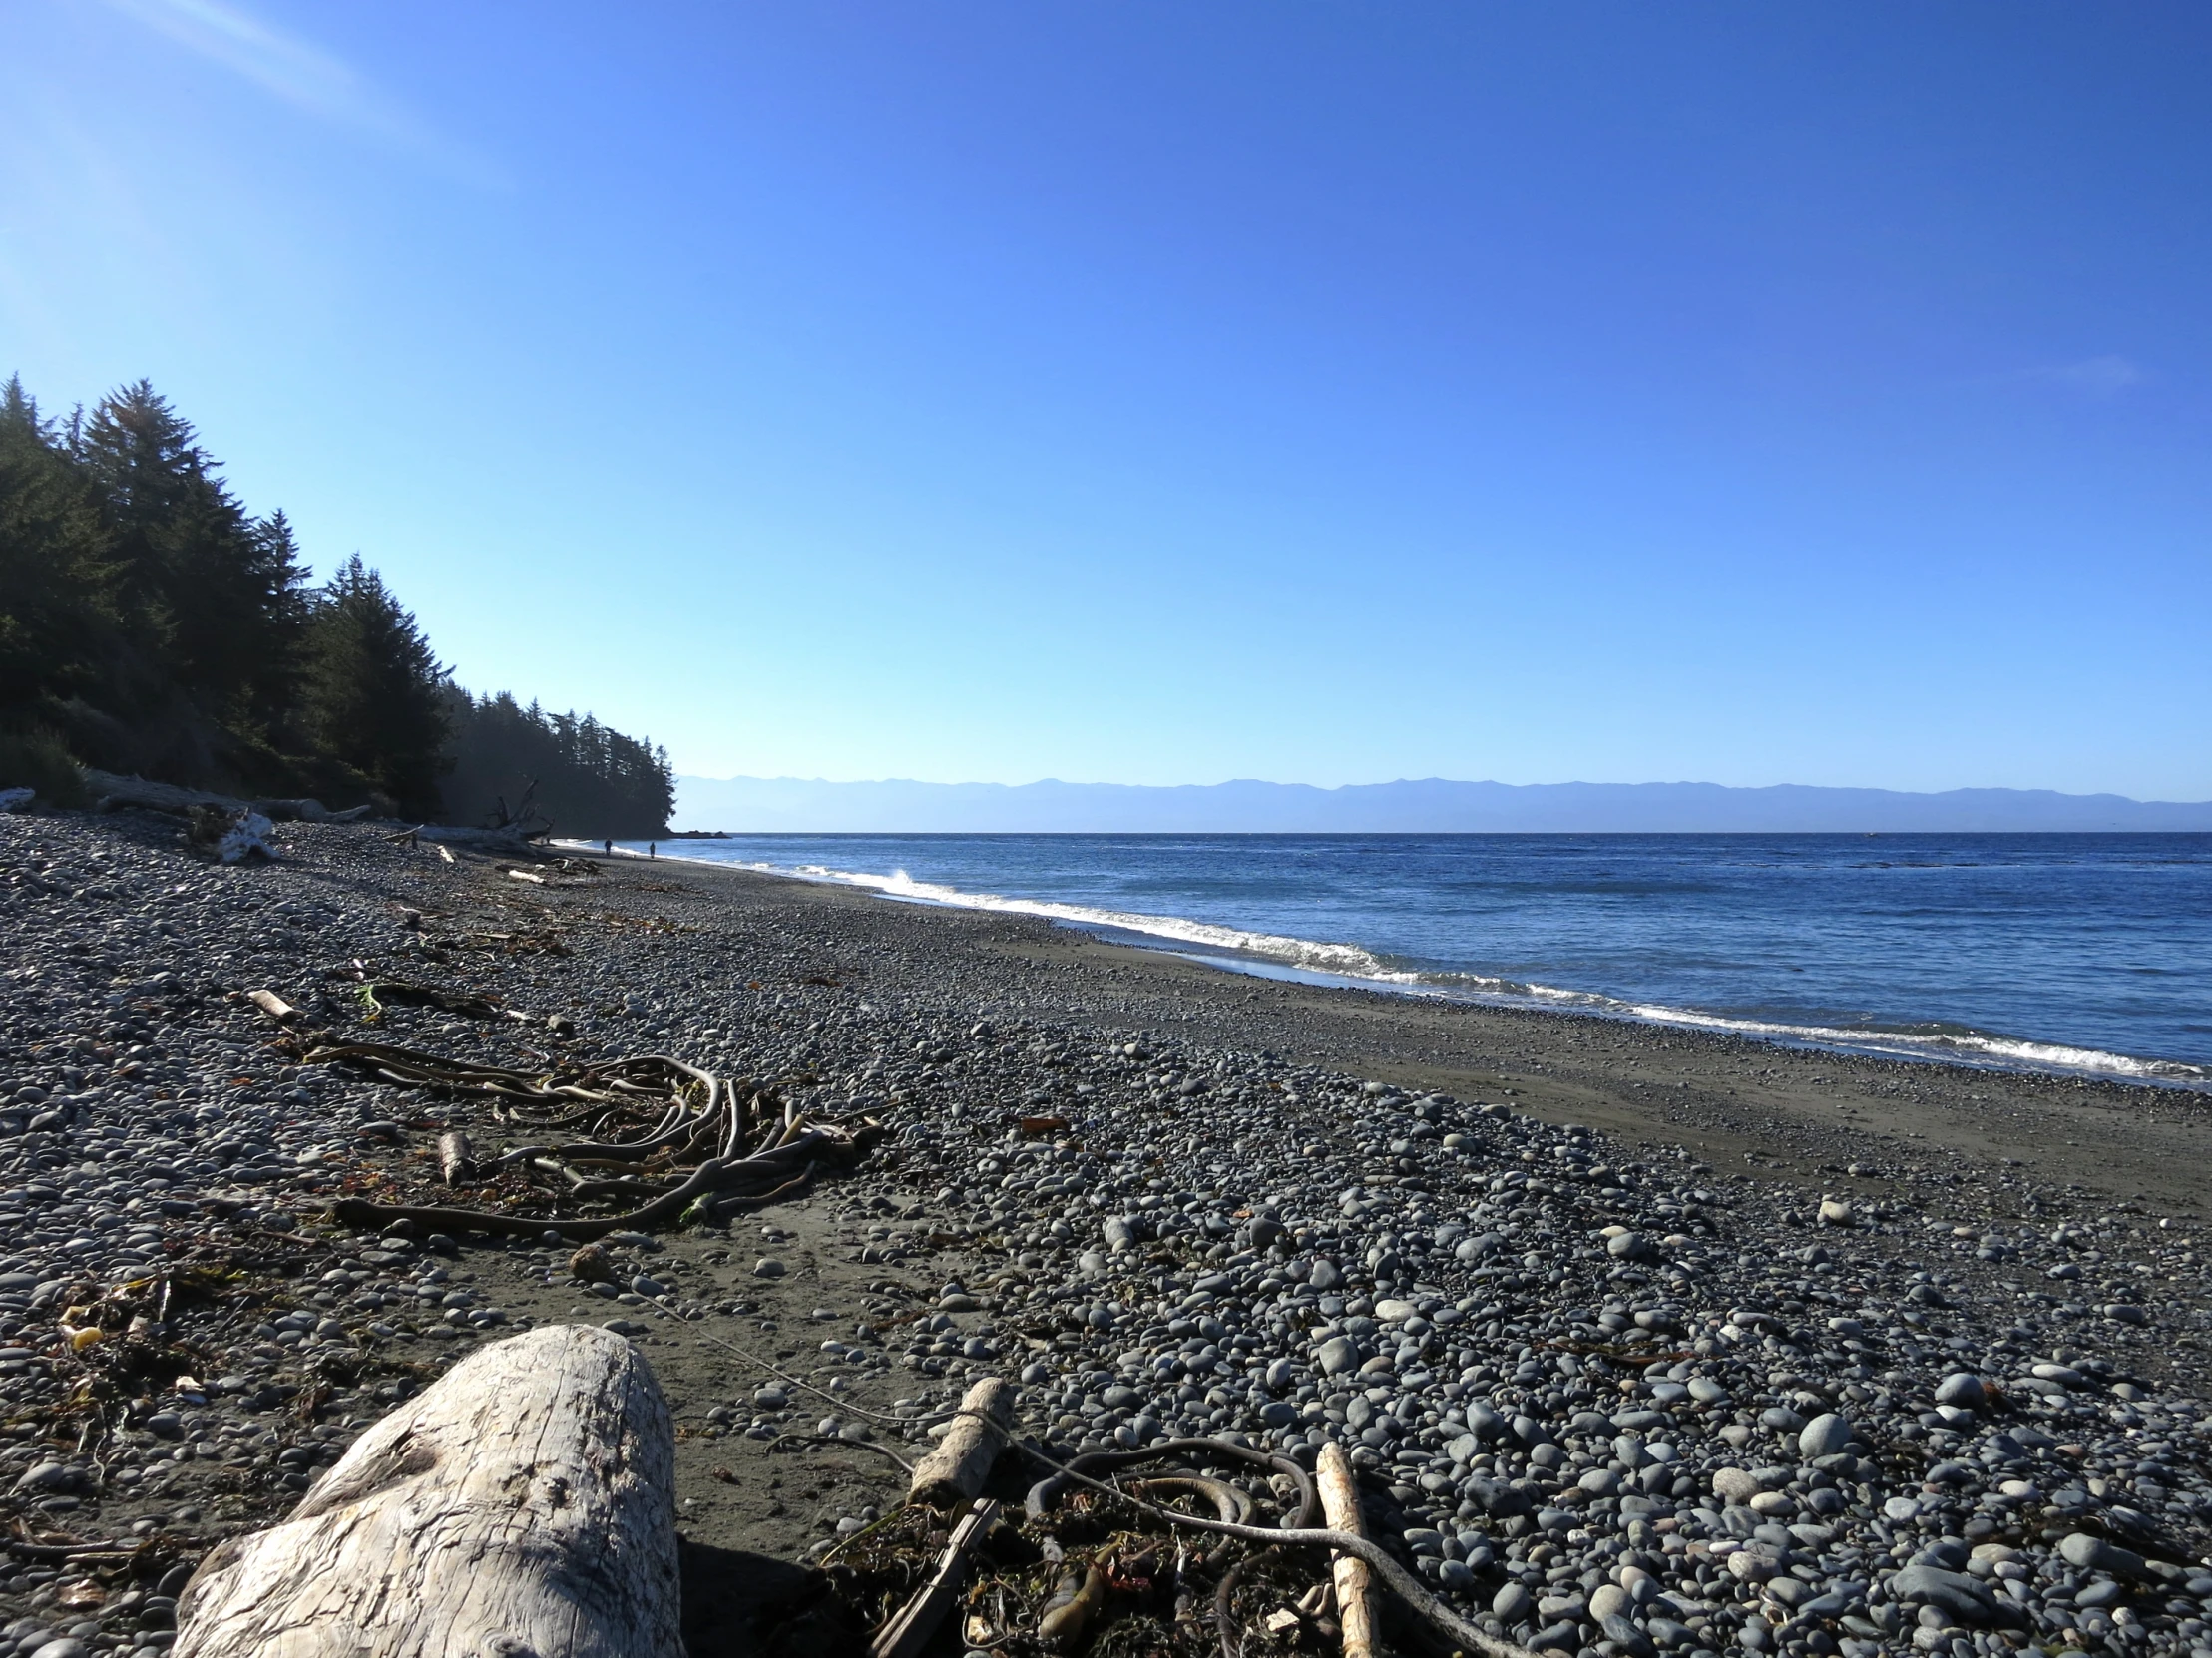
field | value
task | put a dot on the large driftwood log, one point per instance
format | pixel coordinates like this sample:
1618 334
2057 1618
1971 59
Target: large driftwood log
112 793
1340 1511
523 1507
955 1472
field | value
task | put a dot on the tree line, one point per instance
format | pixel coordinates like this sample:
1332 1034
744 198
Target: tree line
150 625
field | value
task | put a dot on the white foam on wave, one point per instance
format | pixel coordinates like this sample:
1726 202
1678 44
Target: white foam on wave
1345 960
1235 946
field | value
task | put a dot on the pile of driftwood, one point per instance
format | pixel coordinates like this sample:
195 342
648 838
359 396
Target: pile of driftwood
672 1142
677 1142
524 1505
1156 1551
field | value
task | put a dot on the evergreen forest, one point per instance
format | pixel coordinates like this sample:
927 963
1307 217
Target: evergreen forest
150 625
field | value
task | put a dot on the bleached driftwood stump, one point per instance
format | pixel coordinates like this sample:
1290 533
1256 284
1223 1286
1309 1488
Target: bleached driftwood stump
521 1508
954 1472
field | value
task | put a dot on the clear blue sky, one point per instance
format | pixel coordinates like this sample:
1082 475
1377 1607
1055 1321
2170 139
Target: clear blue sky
1325 392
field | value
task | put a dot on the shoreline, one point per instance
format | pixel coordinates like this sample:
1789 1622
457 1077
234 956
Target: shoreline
1265 955
1166 1199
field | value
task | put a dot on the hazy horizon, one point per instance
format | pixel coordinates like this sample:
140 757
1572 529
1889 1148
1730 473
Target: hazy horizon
1406 806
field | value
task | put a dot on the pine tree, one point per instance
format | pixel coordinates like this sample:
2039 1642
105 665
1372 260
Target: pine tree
376 694
57 602
147 623
214 596
581 777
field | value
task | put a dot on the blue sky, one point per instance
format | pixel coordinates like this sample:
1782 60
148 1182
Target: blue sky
1167 393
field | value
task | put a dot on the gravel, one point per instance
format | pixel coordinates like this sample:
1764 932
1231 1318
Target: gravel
1605 1397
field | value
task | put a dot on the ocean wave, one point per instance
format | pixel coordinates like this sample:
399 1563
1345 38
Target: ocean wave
1343 960
1241 948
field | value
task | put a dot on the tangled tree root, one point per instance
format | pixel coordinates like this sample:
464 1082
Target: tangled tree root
681 1143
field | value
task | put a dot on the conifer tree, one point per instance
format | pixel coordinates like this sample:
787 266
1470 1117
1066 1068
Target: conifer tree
212 596
149 624
376 692
56 583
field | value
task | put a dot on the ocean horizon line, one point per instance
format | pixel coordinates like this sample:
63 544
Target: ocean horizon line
761 805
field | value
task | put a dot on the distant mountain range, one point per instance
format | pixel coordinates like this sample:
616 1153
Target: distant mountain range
1430 806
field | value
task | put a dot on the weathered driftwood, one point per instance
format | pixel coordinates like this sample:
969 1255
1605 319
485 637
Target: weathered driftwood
955 1472
460 834
1340 1511
914 1623
523 1506
278 1009
112 793
1446 1623
456 1157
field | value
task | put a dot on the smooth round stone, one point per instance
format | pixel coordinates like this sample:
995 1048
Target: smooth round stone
1735 1486
1824 1435
1961 1388
1511 1604
1337 1355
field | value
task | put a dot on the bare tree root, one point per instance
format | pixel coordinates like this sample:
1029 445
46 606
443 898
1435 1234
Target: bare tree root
648 1111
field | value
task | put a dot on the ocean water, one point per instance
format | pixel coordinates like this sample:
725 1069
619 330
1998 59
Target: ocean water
2089 954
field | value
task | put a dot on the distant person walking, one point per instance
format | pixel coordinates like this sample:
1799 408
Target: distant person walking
652 849
610 846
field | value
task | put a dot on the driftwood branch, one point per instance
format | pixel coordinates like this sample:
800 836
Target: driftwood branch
911 1627
1340 1511
523 1504
955 1472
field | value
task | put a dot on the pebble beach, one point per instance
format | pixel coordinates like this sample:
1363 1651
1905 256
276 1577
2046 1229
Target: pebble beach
1646 1341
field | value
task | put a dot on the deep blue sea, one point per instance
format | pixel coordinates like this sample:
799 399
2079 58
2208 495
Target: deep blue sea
2071 953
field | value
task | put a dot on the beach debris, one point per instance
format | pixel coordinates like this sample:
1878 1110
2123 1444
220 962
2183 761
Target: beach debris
376 994
246 839
910 1629
112 793
1349 1576
1070 1610
275 1006
671 1135
955 1470
546 1462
